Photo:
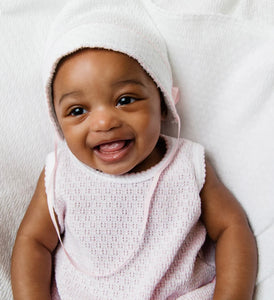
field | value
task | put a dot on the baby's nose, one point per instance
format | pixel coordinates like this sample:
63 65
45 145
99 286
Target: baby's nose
104 119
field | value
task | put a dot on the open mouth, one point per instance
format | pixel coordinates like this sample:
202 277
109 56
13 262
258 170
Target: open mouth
113 151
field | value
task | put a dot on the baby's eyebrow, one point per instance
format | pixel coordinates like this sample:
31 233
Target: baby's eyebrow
128 81
73 93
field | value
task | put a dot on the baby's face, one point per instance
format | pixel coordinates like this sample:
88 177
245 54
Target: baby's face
109 111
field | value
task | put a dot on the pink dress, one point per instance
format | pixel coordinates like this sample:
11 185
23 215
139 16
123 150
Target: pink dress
115 250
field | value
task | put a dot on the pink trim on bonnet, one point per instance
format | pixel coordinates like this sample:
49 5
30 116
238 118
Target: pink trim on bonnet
175 94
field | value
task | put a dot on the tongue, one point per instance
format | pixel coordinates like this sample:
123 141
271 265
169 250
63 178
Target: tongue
112 147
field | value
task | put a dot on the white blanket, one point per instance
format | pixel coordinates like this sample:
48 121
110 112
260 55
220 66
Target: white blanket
222 52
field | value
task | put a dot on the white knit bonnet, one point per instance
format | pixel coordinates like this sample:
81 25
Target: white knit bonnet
120 25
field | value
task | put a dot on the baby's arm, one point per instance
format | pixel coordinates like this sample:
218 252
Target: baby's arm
236 251
31 260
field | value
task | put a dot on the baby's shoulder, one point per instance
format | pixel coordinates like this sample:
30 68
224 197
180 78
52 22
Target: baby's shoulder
189 159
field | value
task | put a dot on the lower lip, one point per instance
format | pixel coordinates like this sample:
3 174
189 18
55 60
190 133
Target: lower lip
115 156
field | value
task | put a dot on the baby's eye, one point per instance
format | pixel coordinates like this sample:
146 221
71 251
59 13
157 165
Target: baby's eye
77 111
126 100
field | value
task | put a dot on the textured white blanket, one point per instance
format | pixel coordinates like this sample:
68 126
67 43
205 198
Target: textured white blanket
222 52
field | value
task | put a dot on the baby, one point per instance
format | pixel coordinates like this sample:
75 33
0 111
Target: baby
121 210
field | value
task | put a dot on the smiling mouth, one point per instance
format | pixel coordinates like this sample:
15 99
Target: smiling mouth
113 151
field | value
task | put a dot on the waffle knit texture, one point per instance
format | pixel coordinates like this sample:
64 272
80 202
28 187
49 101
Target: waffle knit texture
124 26
101 216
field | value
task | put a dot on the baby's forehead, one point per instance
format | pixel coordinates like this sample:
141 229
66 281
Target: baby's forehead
104 58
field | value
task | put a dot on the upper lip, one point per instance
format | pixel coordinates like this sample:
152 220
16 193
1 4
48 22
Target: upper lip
108 141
